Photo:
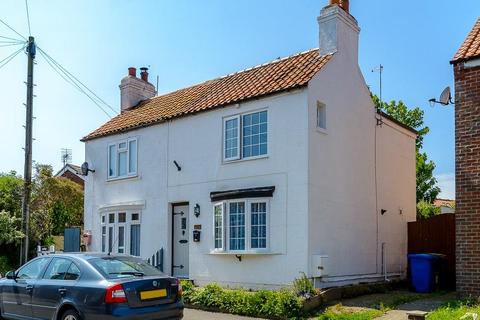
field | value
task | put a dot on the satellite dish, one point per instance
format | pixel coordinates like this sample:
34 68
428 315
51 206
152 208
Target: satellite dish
446 96
85 169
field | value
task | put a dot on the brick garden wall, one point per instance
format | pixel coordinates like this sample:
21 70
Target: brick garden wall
467 172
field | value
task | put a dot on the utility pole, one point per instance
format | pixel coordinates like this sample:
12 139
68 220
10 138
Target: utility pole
27 176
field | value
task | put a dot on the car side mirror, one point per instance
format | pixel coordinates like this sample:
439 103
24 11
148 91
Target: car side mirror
11 275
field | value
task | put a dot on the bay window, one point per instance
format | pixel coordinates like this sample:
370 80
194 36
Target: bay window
121 232
122 159
245 136
241 225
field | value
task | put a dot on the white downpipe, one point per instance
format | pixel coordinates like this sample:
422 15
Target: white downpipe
384 258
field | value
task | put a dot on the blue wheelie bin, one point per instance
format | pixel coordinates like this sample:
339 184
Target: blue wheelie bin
423 270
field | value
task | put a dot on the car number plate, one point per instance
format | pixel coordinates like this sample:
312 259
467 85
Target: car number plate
152 294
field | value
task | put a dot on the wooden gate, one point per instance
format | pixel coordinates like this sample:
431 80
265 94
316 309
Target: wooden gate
435 235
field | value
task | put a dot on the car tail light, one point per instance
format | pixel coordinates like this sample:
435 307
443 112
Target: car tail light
115 294
179 289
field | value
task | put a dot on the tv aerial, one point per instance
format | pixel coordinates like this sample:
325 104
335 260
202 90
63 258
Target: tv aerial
66 156
445 98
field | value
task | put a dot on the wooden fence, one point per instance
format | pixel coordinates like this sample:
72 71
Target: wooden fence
435 235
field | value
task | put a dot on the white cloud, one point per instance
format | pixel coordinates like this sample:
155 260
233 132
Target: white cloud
446 182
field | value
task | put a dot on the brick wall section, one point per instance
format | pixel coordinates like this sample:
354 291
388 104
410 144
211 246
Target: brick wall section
467 176
67 174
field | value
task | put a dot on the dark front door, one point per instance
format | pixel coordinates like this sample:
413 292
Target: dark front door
180 241
17 294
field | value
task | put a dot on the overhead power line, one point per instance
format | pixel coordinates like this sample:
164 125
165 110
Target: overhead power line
76 83
11 39
28 18
5 61
6 25
10 44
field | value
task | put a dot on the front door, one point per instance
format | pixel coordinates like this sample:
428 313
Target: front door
180 241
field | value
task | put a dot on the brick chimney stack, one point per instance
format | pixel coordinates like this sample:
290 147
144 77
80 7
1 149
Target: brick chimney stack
144 74
133 90
338 30
344 4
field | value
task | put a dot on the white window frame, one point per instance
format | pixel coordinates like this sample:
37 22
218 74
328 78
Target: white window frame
222 204
239 131
248 217
115 227
103 237
268 135
132 223
321 116
240 155
124 225
118 150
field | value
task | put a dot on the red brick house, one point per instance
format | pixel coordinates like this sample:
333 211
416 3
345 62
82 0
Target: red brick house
466 66
72 172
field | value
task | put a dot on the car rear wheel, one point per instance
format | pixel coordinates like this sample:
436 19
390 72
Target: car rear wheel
71 315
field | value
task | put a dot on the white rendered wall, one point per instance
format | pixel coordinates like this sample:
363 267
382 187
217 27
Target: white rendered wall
195 142
342 198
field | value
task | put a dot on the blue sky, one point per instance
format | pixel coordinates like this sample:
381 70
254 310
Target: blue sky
185 42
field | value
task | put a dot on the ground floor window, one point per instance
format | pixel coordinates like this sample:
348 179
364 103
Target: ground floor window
241 225
121 232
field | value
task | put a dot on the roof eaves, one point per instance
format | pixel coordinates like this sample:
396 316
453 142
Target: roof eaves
460 60
161 120
401 124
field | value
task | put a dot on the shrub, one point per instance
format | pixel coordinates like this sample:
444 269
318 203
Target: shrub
304 287
426 210
187 287
280 304
5 265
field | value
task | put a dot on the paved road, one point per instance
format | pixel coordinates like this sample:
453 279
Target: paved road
191 314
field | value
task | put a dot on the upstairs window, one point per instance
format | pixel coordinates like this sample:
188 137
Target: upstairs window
321 116
245 136
122 159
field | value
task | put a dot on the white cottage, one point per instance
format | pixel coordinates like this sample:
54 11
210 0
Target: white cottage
251 178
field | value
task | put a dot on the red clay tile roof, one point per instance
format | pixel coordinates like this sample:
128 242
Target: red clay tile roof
444 203
471 46
279 75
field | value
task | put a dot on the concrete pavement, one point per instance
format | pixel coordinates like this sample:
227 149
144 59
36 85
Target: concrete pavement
425 305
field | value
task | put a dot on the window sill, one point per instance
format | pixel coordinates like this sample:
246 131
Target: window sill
264 156
132 177
243 253
321 130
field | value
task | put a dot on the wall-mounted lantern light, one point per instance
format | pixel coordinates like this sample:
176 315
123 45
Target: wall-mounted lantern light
196 210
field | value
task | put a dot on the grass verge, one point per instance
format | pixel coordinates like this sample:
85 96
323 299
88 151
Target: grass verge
455 310
339 312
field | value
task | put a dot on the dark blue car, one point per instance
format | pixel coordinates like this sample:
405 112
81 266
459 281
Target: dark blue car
89 286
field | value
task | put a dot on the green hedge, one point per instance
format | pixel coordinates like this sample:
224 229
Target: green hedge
5 265
281 304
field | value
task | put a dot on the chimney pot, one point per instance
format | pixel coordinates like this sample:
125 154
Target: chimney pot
344 4
144 74
132 72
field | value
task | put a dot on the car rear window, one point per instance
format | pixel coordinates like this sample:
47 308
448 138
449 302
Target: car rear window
123 267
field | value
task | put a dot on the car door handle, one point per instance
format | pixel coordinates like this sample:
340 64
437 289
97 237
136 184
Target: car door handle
29 288
62 291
